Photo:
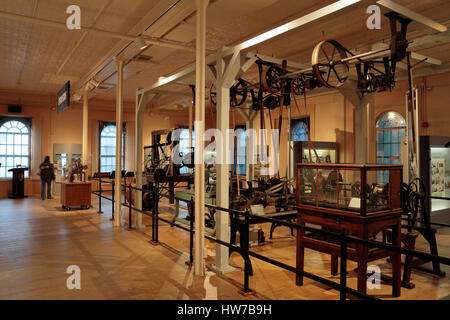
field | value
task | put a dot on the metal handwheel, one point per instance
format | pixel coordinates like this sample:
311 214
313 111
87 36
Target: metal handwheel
327 63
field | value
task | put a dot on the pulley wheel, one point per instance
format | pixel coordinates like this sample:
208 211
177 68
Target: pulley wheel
270 79
238 93
327 63
298 86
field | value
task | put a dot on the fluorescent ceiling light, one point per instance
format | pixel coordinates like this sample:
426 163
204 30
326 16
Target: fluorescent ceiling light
320 13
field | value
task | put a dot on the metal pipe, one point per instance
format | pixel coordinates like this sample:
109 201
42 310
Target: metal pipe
85 125
365 54
119 111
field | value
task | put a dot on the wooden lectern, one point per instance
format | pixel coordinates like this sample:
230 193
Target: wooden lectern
18 183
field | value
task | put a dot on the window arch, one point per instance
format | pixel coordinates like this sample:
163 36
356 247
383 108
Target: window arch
184 145
14 146
299 129
391 127
108 148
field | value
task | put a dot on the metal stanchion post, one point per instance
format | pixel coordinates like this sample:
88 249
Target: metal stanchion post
100 197
154 240
156 212
246 246
130 226
343 277
191 233
112 202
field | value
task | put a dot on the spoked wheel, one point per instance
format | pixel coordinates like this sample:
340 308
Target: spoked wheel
212 95
271 81
327 63
298 86
238 94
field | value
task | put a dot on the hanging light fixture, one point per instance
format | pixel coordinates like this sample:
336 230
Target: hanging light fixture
141 43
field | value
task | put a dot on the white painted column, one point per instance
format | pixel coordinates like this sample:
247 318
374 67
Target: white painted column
141 102
371 138
222 169
84 146
360 134
118 179
199 126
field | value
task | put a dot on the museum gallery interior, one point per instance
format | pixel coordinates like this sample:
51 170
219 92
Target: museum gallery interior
225 149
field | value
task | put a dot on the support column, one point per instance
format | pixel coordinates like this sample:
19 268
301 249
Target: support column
141 102
118 179
199 174
364 115
371 133
222 166
84 146
360 134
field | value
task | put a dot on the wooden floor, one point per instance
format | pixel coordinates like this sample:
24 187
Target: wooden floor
38 241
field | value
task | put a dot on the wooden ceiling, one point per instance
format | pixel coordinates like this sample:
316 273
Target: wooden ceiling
39 59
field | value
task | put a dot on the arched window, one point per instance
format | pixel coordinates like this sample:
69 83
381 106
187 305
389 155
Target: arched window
108 148
14 146
184 146
299 129
241 149
391 127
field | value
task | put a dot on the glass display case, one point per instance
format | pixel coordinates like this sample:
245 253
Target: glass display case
435 173
326 151
352 188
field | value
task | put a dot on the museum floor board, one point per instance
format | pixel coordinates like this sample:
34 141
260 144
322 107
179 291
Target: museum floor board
38 241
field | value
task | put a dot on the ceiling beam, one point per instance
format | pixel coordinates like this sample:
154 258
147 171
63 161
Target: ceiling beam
418 56
155 16
391 5
117 35
313 16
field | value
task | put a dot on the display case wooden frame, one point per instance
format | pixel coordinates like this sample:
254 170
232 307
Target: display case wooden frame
359 223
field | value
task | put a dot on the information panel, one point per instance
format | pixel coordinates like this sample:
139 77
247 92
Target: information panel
64 97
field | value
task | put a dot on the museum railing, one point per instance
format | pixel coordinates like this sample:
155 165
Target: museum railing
244 217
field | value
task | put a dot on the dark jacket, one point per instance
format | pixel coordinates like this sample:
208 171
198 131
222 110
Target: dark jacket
47 172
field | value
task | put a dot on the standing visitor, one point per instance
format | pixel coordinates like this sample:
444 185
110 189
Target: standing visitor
47 173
